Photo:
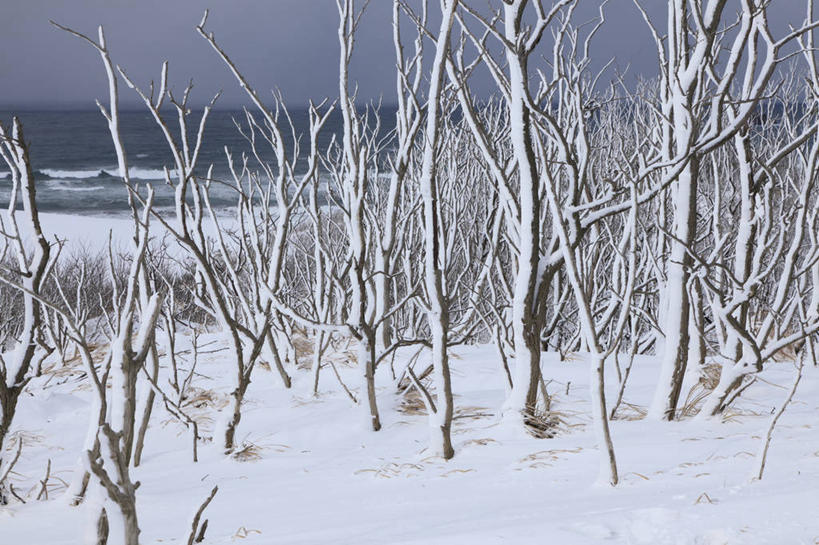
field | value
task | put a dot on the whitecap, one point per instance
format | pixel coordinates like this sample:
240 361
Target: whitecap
149 173
62 185
77 174
104 172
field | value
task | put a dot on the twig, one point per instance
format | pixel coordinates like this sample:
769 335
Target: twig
423 391
197 535
766 443
43 495
14 493
13 461
338 377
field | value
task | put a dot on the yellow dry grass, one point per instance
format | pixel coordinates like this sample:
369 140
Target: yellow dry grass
248 452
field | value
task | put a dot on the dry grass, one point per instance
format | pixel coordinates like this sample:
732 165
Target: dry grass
457 472
693 401
248 452
472 412
637 475
482 442
54 486
200 405
97 351
631 412
708 380
705 498
346 358
544 458
201 398
304 347
26 437
243 533
392 469
412 404
542 424
709 375
68 370
732 414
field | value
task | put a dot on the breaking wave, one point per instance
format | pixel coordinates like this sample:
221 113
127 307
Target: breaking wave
137 173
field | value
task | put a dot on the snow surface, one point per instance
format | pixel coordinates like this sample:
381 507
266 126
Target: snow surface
317 476
322 478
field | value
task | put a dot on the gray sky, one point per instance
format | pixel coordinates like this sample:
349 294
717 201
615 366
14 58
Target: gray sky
286 44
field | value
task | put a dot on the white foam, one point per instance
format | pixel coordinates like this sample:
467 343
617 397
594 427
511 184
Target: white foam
149 173
61 185
77 174
136 173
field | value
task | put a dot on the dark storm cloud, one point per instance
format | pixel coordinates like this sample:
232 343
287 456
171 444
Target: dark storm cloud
285 44
290 45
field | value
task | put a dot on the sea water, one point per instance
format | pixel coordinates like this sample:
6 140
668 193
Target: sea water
75 165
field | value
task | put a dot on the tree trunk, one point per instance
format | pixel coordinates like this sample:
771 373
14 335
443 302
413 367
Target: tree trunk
675 323
366 364
523 397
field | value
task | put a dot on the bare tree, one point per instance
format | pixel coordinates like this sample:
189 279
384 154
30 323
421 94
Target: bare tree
701 63
31 267
438 312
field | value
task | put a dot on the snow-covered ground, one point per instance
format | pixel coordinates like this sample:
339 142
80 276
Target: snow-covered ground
312 474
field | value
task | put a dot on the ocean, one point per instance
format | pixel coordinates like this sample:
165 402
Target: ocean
75 163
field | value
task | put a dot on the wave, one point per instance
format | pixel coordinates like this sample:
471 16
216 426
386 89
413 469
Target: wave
149 173
63 186
56 174
99 173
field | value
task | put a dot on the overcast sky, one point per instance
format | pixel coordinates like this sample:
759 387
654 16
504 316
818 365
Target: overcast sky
286 44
